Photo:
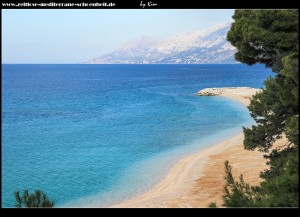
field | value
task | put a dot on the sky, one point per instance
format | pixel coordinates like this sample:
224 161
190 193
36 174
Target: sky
74 36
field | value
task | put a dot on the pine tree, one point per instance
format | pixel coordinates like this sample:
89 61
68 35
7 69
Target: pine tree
270 37
239 194
33 200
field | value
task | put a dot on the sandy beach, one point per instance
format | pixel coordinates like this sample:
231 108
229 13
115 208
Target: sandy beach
198 179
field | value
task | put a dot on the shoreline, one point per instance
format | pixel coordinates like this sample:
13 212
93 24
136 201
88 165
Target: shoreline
241 94
198 179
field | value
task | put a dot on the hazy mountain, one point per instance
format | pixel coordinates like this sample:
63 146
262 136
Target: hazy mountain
208 46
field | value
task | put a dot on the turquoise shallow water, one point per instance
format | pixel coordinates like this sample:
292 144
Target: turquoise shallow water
106 132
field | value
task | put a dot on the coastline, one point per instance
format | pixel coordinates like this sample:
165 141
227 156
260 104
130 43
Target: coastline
198 179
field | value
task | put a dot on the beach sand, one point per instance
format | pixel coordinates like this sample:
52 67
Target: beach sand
198 179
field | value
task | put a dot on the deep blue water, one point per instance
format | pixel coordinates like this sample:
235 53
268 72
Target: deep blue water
87 133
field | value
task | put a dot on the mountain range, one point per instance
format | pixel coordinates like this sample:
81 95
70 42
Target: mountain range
209 46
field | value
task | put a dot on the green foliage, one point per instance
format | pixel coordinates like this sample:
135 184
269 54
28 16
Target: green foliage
280 188
282 180
277 161
238 194
264 36
289 96
34 200
269 37
275 113
212 205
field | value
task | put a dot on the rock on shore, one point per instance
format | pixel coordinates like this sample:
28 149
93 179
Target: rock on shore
220 90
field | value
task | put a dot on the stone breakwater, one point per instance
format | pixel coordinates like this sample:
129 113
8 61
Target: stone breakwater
219 91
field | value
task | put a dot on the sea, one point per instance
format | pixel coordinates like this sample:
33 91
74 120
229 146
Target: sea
94 135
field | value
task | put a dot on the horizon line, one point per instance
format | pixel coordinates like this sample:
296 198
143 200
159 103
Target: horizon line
119 63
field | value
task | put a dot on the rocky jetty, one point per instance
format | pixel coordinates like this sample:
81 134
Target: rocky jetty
219 91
